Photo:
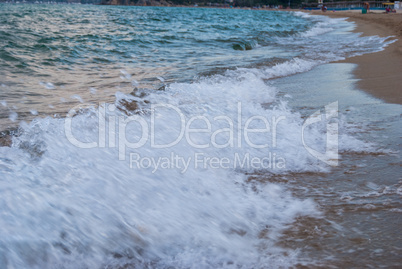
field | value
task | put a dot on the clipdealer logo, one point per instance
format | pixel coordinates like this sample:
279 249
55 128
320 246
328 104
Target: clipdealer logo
331 155
238 131
200 160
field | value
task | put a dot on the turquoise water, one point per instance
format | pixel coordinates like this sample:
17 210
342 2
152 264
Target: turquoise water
74 48
150 137
51 56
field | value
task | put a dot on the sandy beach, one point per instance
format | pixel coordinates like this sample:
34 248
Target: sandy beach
380 73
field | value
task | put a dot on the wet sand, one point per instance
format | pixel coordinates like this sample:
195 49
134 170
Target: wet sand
360 198
380 73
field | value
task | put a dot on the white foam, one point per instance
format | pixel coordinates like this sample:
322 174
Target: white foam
13 116
330 39
318 29
74 207
83 206
48 85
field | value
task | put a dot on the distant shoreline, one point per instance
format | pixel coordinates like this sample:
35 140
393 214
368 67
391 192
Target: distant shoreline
380 73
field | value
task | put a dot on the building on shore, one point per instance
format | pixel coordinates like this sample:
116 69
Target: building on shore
345 5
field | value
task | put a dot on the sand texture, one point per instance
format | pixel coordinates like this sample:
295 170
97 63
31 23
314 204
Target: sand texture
380 73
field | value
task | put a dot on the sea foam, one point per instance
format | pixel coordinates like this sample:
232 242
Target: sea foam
111 204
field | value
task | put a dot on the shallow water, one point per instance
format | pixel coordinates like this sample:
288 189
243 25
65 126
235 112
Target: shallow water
360 197
125 179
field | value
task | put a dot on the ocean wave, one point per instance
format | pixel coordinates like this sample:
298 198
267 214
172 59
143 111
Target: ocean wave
160 178
75 206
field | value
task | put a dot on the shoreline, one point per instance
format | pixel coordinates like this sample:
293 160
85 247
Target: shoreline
379 73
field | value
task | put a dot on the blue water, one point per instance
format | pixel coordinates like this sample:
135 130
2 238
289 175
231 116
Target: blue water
51 55
141 139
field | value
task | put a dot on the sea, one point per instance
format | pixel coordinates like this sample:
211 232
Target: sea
164 137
